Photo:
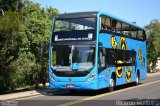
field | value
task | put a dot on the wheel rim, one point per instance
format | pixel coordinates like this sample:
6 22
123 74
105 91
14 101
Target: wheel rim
137 80
111 83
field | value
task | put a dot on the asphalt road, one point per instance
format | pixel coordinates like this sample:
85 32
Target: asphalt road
147 93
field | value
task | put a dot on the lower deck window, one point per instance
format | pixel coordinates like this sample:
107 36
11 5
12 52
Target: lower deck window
120 57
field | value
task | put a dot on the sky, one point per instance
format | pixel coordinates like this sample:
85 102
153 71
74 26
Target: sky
139 11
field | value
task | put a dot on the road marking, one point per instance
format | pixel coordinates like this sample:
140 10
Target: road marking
106 94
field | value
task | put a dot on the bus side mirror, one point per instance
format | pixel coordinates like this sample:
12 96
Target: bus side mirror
103 50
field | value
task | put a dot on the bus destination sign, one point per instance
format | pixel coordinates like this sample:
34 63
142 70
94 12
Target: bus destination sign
74 36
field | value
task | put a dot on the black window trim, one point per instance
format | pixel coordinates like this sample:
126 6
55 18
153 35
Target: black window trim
129 64
120 34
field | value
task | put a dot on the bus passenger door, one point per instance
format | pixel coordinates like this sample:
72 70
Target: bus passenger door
101 59
102 79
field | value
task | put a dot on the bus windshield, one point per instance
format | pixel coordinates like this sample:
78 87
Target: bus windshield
73 57
74 24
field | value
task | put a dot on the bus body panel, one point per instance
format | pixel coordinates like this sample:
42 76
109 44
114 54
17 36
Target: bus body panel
78 82
92 85
138 46
102 78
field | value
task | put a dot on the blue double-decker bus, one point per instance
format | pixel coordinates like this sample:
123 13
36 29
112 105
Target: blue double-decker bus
95 50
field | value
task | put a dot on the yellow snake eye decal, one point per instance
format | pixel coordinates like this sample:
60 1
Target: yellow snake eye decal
129 74
140 57
123 43
119 72
114 42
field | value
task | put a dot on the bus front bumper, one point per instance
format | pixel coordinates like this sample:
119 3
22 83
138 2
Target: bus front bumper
74 85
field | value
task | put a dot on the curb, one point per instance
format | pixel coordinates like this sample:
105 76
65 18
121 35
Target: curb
32 94
21 97
27 96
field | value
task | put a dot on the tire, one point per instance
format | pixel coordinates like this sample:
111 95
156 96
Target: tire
112 84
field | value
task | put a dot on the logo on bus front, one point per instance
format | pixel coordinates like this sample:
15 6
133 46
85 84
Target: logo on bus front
75 66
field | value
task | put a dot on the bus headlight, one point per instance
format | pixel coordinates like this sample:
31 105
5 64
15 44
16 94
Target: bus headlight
51 77
91 77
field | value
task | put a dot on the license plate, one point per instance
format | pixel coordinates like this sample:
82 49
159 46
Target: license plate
69 86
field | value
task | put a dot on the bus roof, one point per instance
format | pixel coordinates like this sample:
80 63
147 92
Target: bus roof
94 14
77 15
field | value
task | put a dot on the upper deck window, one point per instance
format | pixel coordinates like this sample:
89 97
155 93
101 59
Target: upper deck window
114 26
125 29
105 23
75 24
133 32
140 34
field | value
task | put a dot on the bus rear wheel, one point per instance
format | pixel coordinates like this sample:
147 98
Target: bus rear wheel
137 80
112 84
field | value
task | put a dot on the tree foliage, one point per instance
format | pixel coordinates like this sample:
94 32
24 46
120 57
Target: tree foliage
24 39
153 41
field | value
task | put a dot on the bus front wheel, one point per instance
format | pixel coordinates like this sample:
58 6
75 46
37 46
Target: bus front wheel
112 84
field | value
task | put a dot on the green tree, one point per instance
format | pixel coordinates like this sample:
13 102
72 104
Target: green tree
12 5
153 41
9 45
24 41
37 33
